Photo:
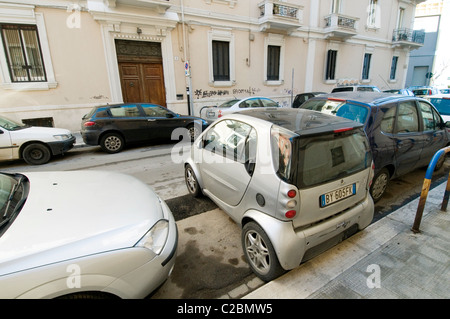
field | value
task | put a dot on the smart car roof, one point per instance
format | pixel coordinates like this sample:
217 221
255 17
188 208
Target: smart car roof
301 121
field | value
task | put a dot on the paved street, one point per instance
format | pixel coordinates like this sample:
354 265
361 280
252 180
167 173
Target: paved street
210 262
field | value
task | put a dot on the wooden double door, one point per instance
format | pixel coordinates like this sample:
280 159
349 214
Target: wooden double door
142 82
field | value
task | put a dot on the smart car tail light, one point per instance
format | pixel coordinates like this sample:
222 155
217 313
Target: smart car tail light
291 204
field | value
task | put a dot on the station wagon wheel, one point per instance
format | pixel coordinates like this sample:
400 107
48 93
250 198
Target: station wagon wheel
191 181
260 253
379 184
193 132
112 143
36 154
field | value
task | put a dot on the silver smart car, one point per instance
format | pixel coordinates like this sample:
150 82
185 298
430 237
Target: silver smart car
295 180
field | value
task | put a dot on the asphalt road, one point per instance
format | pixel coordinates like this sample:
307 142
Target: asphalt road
210 262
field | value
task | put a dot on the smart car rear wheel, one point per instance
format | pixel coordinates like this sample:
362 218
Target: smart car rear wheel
260 253
112 143
191 181
379 184
36 154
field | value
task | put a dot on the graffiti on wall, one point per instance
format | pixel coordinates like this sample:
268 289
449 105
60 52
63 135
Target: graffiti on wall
201 94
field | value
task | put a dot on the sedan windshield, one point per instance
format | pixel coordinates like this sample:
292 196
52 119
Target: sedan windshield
341 108
13 194
228 103
10 125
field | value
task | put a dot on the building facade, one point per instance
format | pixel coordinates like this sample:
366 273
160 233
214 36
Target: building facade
430 64
60 58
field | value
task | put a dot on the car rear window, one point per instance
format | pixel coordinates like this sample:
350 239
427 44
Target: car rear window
358 113
342 89
442 105
422 92
312 160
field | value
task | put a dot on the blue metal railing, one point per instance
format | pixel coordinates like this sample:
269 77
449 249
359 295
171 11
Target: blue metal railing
426 187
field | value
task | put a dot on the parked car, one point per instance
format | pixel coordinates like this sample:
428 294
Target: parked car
356 88
114 126
400 91
212 113
442 103
60 238
292 178
35 145
422 91
303 97
404 131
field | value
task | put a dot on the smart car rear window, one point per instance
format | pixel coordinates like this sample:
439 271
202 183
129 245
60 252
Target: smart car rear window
313 160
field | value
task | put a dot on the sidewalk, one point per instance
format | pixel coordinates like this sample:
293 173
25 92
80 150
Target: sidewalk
384 261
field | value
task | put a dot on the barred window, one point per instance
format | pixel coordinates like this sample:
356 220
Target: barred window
23 53
273 63
366 66
393 67
330 71
221 60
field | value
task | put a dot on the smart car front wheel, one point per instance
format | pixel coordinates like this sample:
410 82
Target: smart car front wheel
260 253
191 181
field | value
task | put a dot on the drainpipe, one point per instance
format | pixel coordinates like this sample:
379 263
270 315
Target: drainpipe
188 71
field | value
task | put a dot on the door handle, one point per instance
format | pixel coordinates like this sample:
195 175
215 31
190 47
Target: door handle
151 120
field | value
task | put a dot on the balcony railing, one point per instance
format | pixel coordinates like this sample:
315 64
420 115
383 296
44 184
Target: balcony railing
340 26
279 15
340 21
408 36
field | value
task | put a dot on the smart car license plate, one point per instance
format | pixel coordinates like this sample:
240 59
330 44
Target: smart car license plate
211 114
337 195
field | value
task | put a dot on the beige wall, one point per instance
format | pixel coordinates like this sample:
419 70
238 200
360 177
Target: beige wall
85 64
79 67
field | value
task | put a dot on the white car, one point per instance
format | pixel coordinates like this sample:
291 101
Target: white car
83 234
36 145
442 103
212 113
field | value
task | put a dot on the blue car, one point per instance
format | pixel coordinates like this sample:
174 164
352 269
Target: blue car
404 131
114 126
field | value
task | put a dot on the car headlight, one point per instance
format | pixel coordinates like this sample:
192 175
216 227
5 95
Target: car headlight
156 237
62 137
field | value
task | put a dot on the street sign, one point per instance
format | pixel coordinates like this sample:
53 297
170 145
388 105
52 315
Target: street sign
187 70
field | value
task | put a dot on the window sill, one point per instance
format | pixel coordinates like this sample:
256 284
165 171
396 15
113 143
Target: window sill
29 86
221 84
273 83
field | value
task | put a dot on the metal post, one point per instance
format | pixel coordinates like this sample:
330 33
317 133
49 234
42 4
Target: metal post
446 195
426 187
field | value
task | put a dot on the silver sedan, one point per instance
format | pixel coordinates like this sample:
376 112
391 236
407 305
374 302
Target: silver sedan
83 234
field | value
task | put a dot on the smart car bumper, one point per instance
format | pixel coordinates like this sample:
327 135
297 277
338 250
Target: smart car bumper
292 244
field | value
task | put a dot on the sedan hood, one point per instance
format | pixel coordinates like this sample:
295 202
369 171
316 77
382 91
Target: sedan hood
73 214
